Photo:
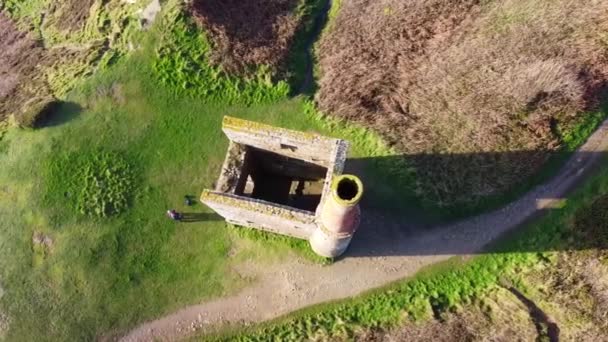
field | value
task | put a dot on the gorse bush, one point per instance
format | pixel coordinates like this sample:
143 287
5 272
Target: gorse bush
95 183
579 133
182 64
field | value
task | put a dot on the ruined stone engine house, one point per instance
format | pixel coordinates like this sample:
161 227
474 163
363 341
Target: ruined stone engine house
287 182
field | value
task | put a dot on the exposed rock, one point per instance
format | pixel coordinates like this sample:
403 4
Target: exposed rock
148 15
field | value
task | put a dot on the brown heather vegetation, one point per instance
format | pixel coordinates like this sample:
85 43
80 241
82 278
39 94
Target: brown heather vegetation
72 13
32 75
456 85
500 316
248 33
573 294
564 297
23 88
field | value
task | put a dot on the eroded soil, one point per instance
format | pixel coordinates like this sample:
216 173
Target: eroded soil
72 13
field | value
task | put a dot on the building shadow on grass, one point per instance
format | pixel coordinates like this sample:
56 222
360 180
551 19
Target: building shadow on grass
392 223
199 217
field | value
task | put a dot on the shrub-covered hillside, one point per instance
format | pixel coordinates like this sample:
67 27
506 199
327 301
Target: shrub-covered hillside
476 95
46 47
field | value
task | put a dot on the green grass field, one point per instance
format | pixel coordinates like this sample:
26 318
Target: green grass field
112 259
115 259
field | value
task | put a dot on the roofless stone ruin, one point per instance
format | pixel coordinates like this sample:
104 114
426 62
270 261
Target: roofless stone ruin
287 182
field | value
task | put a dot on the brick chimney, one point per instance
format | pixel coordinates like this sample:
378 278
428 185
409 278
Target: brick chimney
338 217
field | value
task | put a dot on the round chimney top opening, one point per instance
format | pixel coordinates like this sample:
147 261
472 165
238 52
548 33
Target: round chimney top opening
348 189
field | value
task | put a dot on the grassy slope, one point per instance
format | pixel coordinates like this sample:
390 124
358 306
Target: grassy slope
101 275
449 285
110 273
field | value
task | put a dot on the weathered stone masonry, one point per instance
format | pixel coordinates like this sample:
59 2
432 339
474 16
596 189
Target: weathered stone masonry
287 182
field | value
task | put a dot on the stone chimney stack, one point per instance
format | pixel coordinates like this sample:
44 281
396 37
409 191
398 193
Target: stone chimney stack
338 217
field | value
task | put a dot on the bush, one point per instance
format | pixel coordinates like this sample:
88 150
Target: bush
106 185
96 183
182 64
476 95
592 222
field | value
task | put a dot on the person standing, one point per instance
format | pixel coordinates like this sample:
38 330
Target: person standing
174 215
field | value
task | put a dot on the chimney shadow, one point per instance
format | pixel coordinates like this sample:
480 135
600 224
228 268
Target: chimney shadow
397 222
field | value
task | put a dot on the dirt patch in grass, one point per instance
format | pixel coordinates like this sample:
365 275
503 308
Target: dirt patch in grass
457 86
248 33
23 88
4 321
19 55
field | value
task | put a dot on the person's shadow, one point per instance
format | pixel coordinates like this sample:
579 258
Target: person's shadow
199 217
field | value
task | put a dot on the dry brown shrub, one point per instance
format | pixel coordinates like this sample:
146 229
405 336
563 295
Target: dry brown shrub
472 91
574 291
499 317
72 14
19 55
248 33
23 87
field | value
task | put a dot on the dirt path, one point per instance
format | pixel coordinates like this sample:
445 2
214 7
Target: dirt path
384 250
308 84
